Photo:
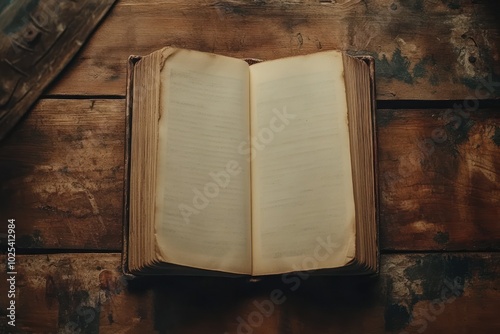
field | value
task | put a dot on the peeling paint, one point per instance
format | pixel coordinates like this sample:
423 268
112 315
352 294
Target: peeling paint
399 66
430 278
395 68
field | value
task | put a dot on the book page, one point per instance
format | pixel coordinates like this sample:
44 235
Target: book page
302 205
203 202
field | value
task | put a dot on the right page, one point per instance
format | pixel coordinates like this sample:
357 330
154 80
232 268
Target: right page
302 194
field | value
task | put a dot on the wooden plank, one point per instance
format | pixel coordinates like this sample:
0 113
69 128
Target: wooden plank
37 40
62 177
435 293
439 174
424 49
61 173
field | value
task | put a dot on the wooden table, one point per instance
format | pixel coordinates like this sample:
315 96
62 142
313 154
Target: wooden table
438 123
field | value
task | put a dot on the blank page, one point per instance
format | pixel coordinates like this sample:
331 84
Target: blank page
302 205
203 202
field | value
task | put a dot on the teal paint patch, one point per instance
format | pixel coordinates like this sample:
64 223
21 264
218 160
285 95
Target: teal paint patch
396 68
420 69
434 79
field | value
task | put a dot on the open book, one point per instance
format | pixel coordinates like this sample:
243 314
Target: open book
257 170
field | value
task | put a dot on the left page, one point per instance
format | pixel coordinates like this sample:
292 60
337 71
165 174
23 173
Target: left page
203 192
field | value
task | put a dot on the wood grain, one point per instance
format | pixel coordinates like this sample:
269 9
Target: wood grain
439 174
435 293
423 49
61 175
37 40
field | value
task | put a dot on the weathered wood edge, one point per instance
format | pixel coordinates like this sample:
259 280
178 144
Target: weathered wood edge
436 292
424 50
29 74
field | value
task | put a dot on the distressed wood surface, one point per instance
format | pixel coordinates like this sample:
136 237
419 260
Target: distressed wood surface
37 40
439 174
437 49
61 176
61 173
415 293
